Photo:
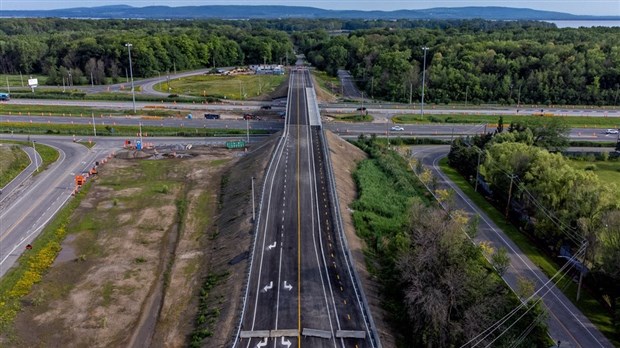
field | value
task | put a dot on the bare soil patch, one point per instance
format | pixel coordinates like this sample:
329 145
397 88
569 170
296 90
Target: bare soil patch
345 158
139 247
321 94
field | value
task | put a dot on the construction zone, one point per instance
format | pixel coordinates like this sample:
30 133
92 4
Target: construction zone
159 243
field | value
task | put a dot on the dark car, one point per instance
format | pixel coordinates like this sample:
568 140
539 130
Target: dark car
266 107
363 108
212 116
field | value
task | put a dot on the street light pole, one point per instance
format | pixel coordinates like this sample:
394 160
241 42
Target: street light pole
94 127
253 206
36 161
423 79
133 91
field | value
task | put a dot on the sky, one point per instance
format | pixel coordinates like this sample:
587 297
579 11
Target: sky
582 7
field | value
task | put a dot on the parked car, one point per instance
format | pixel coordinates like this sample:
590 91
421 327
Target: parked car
611 131
212 116
266 107
397 128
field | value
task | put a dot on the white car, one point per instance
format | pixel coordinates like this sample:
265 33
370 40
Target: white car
611 131
397 128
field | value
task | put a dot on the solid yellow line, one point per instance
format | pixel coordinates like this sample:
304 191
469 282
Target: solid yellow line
298 231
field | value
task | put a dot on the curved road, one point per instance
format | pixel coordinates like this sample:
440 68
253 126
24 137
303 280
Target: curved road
566 323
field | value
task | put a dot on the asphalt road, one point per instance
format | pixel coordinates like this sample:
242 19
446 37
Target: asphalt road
566 323
298 289
28 207
344 129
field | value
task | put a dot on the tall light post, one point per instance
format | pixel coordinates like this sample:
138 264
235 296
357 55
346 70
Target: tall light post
253 205
423 79
133 91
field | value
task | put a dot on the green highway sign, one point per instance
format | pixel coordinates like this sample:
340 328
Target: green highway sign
235 144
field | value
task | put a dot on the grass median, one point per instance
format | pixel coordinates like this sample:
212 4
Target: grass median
117 130
572 121
587 304
48 154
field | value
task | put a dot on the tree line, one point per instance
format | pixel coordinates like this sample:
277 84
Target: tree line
436 285
81 52
561 208
505 62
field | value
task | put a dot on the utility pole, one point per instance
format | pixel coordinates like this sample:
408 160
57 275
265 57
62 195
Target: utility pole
133 91
8 87
22 78
477 172
512 176
387 130
372 88
141 142
423 79
92 83
466 92
585 246
94 127
253 204
410 92
247 130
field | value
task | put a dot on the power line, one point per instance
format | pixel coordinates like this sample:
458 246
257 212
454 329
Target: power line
506 317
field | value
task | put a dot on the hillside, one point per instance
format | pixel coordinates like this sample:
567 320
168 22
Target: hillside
272 12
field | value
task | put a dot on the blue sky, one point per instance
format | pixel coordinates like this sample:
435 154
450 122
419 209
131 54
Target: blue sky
589 7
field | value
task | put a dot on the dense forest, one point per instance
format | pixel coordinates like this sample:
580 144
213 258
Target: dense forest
75 49
476 62
472 61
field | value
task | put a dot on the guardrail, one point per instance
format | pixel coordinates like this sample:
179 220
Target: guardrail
359 291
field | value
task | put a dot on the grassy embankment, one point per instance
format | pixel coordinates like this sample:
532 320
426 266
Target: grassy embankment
48 154
387 189
110 130
237 87
80 111
572 121
588 305
32 264
608 171
354 117
330 84
13 161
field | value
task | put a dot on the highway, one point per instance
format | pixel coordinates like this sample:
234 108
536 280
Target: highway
300 291
566 323
344 129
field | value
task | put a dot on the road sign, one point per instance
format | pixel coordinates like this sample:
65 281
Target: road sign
235 144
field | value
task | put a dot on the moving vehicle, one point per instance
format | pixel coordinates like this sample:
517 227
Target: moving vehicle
397 128
266 107
5 97
212 116
611 131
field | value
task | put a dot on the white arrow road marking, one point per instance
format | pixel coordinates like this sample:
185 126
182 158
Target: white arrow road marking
287 286
272 245
286 343
262 343
268 287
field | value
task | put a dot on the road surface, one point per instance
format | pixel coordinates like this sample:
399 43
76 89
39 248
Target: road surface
300 291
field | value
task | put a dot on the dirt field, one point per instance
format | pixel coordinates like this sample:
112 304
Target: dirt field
345 158
141 248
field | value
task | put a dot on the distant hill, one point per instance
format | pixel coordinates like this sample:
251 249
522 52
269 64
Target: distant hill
272 12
